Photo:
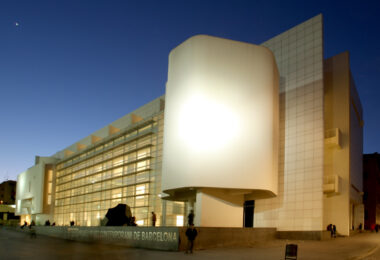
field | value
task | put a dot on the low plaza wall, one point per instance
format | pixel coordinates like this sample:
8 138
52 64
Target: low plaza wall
174 238
10 222
159 238
212 237
304 235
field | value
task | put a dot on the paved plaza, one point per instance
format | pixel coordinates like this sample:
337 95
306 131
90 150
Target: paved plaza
18 245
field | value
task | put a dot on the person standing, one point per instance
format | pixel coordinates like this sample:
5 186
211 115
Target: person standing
154 218
334 230
190 218
330 228
25 225
191 234
372 227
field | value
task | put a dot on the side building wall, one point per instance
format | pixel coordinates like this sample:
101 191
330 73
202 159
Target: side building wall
371 186
8 192
30 192
343 147
337 154
356 157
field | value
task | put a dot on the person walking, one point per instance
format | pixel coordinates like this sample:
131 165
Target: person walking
154 218
191 234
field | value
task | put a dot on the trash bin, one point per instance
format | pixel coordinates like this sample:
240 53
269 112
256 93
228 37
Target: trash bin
291 252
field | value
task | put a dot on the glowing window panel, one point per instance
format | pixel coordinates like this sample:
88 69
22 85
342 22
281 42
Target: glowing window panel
179 222
140 189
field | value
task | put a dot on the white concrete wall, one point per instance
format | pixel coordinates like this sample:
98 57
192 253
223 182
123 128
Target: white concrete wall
299 205
214 211
221 116
30 188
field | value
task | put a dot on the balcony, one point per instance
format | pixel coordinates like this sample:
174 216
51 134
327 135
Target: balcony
333 138
332 185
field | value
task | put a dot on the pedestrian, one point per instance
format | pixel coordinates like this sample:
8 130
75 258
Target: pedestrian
190 218
334 230
191 234
377 228
32 230
25 224
330 228
360 227
154 218
372 227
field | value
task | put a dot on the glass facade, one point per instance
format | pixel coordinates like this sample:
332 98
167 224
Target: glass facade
125 168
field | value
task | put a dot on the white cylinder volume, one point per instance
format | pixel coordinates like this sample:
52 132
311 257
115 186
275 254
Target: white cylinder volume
221 118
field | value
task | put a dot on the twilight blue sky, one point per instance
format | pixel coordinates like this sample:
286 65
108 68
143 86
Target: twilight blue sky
72 67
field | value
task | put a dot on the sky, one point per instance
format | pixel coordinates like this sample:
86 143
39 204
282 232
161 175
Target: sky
69 68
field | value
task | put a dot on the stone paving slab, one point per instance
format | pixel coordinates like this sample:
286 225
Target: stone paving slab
17 245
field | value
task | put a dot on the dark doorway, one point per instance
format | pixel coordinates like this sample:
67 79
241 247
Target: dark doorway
249 209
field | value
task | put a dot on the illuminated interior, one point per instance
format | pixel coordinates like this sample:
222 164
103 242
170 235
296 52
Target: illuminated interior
122 170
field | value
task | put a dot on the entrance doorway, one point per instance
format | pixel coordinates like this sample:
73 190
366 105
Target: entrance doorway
249 209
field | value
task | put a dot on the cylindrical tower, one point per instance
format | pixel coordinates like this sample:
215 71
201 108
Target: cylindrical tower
221 121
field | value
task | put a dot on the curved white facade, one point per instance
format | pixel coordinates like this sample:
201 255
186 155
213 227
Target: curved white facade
221 118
